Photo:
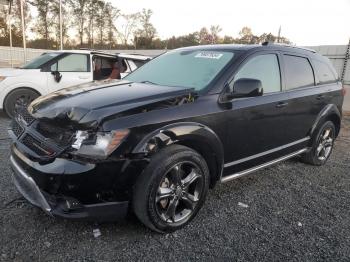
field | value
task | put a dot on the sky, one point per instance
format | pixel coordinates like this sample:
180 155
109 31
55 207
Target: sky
304 22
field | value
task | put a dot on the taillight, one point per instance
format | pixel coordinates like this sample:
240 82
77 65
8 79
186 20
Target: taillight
344 91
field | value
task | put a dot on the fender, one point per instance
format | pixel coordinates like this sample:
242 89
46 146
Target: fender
190 134
329 110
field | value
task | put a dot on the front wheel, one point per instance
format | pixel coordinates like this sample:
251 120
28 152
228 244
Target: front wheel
172 189
322 145
20 97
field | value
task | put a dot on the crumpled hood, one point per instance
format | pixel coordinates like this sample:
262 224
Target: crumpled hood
89 104
13 71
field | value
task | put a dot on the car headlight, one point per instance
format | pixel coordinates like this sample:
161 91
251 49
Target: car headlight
2 78
98 145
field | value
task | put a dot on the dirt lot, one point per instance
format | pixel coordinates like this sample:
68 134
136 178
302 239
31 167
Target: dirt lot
295 212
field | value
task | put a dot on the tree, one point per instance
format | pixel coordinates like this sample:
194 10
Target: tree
80 10
111 14
43 25
4 29
204 36
145 34
129 26
246 36
227 40
100 21
214 33
15 21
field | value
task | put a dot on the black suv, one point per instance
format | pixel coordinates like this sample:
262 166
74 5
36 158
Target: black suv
156 141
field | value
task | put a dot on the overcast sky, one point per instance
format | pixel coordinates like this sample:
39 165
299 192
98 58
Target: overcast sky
304 22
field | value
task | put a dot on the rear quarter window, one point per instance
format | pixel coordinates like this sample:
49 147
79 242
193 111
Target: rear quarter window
298 72
324 73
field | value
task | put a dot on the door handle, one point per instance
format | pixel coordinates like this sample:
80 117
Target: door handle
83 77
281 104
320 97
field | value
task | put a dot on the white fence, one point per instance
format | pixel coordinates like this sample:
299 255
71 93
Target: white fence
336 53
17 55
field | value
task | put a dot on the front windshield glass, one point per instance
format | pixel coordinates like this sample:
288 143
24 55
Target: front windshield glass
183 68
40 60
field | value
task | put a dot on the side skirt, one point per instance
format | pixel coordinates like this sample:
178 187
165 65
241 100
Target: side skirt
253 169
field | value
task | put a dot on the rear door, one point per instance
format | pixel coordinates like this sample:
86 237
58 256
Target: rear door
74 69
306 99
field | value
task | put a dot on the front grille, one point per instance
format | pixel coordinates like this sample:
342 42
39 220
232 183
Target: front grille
60 136
26 116
16 128
36 146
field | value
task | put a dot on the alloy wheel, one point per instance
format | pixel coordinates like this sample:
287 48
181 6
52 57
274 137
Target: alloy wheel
23 101
179 192
325 144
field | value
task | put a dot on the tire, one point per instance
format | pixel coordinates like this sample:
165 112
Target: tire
18 97
322 145
159 190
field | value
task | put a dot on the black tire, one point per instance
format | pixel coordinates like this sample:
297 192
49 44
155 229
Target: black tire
314 155
18 97
167 164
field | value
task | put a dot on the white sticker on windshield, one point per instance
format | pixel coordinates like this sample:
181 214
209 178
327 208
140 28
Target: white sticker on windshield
209 55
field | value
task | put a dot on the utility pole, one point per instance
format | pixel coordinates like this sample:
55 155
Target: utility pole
23 34
10 30
61 33
346 58
279 35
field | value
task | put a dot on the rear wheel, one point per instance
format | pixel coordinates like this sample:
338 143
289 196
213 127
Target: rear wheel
322 145
20 97
172 189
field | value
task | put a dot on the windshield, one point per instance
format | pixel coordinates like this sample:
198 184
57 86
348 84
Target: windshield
183 68
40 60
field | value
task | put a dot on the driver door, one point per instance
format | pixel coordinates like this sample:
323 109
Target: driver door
69 70
256 125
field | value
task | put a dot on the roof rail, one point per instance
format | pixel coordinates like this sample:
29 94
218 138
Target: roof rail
268 43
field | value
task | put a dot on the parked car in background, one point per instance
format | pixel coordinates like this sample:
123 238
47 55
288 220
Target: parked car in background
59 69
155 142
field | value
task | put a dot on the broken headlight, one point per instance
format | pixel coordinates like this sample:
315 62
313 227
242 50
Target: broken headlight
98 145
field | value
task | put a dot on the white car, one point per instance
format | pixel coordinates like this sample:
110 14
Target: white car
59 69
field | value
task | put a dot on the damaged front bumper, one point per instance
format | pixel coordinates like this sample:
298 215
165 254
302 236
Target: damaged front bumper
58 204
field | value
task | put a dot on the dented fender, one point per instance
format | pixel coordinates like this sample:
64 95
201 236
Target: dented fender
183 133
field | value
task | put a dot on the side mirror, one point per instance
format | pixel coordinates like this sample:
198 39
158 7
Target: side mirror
247 87
57 76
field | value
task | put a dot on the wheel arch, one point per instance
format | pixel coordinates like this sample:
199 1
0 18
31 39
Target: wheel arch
15 89
193 135
329 113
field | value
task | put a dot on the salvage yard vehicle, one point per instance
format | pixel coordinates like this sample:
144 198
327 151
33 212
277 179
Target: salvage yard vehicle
155 142
55 70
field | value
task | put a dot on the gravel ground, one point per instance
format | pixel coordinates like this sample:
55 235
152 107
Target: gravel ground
294 212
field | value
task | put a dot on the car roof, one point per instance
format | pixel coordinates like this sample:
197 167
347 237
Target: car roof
83 51
134 56
263 46
97 52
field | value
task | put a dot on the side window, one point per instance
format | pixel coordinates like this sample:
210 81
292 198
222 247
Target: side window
264 68
72 63
298 72
324 73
